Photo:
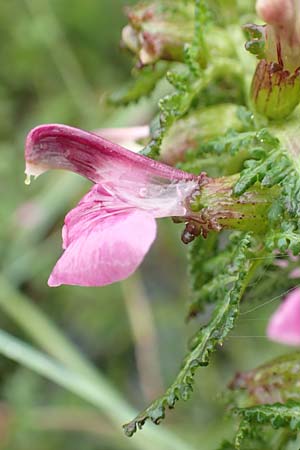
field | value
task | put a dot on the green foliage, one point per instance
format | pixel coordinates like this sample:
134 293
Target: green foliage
205 340
204 62
196 54
211 270
266 399
200 250
172 107
219 275
285 237
145 82
187 85
227 151
214 146
231 143
277 416
272 165
220 269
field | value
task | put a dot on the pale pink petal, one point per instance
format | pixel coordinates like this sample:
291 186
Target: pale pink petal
284 325
127 137
138 181
276 12
95 206
102 246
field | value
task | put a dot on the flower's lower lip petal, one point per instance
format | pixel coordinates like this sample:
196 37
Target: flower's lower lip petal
107 251
63 147
284 325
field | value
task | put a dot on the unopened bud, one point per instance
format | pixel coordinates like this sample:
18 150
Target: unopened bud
276 12
159 30
163 30
276 83
275 91
196 128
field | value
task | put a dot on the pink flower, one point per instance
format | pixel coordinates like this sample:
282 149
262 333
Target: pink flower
284 325
107 235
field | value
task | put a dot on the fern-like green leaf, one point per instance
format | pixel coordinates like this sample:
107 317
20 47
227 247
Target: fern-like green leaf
200 250
278 415
172 107
187 85
272 165
286 237
210 270
204 342
196 54
232 142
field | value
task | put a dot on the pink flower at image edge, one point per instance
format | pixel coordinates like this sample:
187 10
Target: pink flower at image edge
284 325
107 235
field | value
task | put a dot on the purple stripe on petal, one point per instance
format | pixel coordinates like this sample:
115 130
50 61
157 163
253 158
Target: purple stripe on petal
136 180
64 147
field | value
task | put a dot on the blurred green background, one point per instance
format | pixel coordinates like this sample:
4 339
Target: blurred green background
59 61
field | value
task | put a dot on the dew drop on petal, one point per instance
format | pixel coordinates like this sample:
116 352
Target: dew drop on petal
27 180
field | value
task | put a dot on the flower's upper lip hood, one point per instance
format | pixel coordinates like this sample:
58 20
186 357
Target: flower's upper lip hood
55 146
